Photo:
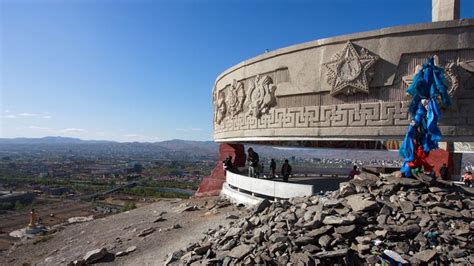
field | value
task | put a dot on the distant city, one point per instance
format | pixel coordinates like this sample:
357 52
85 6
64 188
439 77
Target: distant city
66 177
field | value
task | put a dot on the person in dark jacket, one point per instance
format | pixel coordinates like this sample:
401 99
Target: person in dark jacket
273 167
228 166
286 171
253 159
354 172
444 172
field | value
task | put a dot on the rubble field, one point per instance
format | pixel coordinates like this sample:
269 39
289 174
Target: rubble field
367 221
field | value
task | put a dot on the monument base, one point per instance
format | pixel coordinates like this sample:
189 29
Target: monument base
35 230
28 232
452 160
212 185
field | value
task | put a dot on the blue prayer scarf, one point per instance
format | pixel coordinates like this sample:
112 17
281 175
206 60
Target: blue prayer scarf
428 84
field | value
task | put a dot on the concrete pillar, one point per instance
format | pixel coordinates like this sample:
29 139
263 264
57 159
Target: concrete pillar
212 185
453 160
237 152
442 10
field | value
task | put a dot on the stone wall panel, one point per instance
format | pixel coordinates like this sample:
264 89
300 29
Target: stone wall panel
346 87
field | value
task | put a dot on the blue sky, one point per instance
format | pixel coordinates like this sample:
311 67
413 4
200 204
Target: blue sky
144 70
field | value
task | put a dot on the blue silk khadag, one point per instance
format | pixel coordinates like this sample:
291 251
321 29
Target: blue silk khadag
428 85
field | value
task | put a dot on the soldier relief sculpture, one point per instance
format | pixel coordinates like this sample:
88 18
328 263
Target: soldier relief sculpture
261 96
220 106
230 101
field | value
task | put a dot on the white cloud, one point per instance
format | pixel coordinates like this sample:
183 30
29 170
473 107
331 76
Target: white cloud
10 116
41 128
27 114
189 129
131 135
7 111
46 116
73 130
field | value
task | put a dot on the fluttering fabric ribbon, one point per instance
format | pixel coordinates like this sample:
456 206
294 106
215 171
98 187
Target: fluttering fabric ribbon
423 134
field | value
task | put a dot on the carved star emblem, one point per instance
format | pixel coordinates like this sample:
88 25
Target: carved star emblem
347 71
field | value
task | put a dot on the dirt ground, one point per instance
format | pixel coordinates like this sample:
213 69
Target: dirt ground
120 231
62 210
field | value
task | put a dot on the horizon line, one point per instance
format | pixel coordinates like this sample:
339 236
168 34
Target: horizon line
98 140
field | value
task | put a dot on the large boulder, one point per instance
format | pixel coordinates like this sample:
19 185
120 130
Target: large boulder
262 205
95 255
359 203
346 189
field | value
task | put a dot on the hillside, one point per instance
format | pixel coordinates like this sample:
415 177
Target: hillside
155 230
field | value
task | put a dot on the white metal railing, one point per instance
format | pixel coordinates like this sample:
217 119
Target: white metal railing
269 188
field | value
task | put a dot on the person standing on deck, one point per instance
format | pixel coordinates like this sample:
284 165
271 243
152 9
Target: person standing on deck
273 166
286 171
228 164
253 159
444 172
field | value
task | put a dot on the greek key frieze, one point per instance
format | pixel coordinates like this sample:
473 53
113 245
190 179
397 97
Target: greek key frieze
344 115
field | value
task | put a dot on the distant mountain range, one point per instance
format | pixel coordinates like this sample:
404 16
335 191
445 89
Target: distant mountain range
171 149
181 149
49 140
173 145
178 148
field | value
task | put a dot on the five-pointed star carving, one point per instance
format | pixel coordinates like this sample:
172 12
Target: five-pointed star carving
347 70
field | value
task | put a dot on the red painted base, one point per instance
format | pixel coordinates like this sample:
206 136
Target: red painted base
212 185
437 158
452 160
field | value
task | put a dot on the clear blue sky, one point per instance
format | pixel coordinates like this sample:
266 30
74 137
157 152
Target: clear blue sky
143 70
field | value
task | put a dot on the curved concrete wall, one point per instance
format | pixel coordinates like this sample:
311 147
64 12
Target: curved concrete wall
274 189
350 87
239 197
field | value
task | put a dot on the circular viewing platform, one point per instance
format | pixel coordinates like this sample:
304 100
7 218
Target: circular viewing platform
250 190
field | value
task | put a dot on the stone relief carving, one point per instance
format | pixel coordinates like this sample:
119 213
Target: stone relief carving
467 65
452 78
221 107
261 96
353 115
378 114
348 70
214 104
235 98
464 146
455 72
408 79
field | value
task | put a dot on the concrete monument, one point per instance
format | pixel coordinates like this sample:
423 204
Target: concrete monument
348 88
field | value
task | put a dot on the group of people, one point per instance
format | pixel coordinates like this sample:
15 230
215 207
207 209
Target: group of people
256 169
467 178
